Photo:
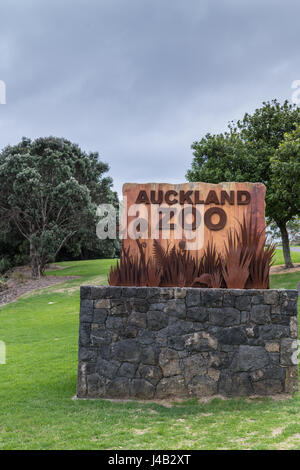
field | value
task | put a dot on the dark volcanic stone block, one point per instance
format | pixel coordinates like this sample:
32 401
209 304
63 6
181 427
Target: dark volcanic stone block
171 387
175 308
118 388
252 357
193 297
149 355
158 343
107 368
234 335
156 320
273 331
100 315
128 350
199 314
202 386
141 388
84 334
85 292
99 292
225 316
151 373
288 351
260 314
86 314
268 387
212 297
127 369
243 303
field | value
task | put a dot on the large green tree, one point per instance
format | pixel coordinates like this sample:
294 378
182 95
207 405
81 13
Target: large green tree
249 151
293 228
284 199
50 190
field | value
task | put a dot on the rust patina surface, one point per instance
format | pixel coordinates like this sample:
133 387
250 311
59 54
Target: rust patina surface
220 208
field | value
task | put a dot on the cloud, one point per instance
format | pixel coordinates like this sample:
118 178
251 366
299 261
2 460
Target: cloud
140 80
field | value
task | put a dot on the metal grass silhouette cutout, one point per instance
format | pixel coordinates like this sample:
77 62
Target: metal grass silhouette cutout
245 263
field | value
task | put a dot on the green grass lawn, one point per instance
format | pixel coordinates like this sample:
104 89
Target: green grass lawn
39 380
278 257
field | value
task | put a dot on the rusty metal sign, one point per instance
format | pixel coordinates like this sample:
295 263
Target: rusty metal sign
193 234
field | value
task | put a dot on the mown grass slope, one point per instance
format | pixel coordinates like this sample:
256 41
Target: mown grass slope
39 380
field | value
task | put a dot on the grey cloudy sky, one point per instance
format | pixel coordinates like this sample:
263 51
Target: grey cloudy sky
140 80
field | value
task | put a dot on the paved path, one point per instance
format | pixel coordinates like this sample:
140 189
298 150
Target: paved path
292 248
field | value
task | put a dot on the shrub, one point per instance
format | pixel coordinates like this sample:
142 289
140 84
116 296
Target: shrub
5 264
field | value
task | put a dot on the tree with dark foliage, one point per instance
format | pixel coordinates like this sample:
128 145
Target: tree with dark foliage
256 149
50 190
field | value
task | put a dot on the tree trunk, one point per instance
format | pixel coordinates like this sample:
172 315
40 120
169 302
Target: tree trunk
286 246
35 263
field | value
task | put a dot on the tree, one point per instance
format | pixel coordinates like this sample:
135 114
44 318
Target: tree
86 245
50 190
13 248
245 152
285 184
293 228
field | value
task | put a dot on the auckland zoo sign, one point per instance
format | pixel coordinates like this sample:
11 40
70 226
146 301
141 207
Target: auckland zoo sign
192 229
184 248
189 214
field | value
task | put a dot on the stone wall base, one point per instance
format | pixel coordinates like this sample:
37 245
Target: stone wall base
157 343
